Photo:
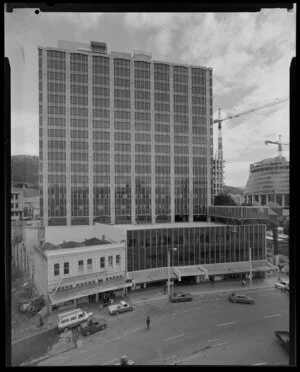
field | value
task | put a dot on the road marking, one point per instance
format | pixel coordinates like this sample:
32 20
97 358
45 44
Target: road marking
214 339
113 360
260 364
171 338
270 316
223 343
220 325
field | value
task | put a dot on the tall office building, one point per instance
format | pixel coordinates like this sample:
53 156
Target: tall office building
123 139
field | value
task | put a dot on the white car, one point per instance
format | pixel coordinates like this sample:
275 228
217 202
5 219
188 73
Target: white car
283 285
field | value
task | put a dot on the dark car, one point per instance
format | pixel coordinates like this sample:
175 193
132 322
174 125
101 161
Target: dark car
243 299
33 306
93 325
181 297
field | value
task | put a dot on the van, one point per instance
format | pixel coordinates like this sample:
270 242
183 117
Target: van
72 318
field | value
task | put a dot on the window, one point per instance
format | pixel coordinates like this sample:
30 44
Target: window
110 261
102 262
56 269
80 266
90 264
118 259
66 267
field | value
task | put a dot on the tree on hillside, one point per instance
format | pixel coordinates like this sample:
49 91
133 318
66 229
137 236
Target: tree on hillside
223 199
25 168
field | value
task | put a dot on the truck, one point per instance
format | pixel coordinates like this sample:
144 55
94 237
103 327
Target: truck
121 307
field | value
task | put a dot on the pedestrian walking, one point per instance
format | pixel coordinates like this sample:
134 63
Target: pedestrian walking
148 321
243 283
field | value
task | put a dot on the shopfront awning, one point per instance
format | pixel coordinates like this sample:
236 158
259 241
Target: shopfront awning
238 267
86 290
151 275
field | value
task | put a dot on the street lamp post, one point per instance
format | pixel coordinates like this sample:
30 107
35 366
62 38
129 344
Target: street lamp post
250 268
169 249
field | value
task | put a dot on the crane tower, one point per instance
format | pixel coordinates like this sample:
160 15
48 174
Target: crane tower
218 162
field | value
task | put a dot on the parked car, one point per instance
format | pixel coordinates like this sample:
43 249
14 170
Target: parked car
284 338
33 306
122 307
243 299
283 285
93 325
72 319
181 297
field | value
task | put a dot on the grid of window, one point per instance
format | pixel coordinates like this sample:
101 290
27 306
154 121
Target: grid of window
143 199
195 246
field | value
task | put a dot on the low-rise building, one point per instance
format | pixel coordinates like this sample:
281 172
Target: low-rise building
31 199
17 203
73 272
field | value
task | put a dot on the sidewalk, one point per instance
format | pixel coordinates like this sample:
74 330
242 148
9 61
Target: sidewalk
202 289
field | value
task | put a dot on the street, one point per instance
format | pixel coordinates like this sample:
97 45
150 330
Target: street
208 330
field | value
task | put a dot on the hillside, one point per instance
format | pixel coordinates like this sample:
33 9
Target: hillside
233 190
25 168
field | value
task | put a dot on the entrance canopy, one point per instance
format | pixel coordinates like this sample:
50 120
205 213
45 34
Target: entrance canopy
86 290
238 267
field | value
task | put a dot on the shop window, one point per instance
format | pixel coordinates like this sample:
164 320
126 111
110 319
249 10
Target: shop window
56 269
66 267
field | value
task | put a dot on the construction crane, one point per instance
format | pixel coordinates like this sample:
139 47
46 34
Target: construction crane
219 160
279 143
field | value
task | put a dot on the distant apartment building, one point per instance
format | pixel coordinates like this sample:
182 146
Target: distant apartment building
218 174
31 209
17 203
123 138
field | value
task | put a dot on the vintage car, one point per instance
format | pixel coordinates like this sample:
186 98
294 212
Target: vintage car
33 306
282 285
125 362
284 338
181 297
93 325
243 299
122 307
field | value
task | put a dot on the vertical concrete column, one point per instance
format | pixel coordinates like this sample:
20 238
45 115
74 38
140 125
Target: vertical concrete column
283 201
112 141
153 204
68 140
267 198
132 120
75 303
259 198
90 137
209 163
45 136
191 186
172 147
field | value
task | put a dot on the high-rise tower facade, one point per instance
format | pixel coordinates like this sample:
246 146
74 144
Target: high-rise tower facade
123 139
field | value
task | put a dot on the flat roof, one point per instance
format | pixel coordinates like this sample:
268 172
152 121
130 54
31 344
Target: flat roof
176 225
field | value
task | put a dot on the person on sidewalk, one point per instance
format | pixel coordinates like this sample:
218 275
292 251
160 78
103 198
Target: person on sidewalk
148 322
243 283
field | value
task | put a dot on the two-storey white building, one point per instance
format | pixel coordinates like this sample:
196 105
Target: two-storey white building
72 273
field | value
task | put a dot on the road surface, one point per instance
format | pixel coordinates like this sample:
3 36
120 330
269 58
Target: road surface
208 330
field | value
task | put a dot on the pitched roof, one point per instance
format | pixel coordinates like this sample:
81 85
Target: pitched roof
48 246
70 244
95 241
29 193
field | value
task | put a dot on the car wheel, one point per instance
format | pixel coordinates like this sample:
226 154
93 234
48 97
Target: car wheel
252 302
234 301
66 329
117 313
87 333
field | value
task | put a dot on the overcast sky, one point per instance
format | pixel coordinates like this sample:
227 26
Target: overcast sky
250 54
